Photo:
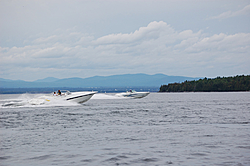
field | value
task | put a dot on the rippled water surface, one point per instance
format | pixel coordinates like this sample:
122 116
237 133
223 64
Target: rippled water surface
160 129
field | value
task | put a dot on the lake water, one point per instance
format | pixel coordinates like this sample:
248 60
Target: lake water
161 129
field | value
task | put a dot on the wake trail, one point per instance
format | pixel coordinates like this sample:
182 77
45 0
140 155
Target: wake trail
47 100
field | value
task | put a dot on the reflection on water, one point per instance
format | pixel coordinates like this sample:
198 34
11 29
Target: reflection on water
160 129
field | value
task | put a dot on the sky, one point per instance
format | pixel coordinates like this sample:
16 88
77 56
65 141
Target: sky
85 38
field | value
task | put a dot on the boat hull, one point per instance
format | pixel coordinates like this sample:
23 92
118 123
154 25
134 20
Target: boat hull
80 97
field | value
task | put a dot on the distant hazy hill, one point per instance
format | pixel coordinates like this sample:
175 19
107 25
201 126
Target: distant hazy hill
126 80
48 79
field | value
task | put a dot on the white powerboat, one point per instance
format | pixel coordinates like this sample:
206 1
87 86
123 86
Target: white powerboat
65 95
132 94
78 97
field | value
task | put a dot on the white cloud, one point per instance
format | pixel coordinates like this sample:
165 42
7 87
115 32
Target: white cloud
228 14
153 31
236 43
156 48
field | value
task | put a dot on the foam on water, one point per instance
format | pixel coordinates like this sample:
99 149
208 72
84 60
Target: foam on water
46 100
37 100
107 96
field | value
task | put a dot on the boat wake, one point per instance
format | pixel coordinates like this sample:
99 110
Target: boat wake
106 96
43 100
38 100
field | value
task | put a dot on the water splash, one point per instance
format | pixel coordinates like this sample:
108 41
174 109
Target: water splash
47 100
106 96
37 100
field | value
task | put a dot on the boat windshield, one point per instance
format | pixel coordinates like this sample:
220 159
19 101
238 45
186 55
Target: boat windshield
63 92
66 92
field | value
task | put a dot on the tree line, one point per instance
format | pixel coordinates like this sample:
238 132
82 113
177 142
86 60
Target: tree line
219 84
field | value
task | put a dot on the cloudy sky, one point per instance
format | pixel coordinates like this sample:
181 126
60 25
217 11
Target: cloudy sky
84 38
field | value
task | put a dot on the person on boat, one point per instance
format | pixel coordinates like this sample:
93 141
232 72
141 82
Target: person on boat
54 94
59 92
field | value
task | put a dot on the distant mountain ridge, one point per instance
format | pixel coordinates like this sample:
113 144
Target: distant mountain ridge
48 79
125 80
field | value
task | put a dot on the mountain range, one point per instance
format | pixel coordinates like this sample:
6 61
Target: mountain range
125 80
